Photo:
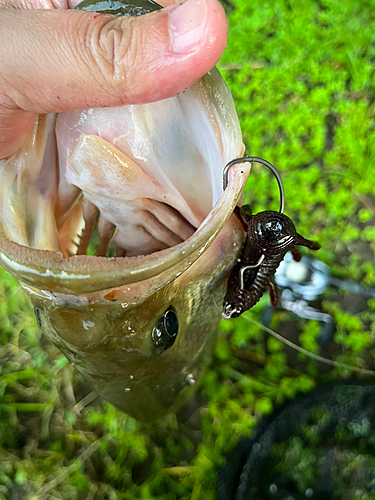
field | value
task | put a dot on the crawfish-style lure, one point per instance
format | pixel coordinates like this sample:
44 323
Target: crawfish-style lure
270 235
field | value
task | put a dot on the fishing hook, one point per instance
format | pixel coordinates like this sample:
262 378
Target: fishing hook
255 159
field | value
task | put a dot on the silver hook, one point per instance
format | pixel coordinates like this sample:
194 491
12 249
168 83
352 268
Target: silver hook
255 159
245 268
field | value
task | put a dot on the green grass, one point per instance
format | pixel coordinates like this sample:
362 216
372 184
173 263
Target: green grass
302 77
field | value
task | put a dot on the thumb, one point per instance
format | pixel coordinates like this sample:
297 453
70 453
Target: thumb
67 59
58 60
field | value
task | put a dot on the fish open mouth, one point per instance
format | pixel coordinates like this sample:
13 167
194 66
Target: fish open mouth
103 197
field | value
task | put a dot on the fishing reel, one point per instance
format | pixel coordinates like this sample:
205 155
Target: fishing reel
302 285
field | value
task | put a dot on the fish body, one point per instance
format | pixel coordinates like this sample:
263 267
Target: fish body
115 223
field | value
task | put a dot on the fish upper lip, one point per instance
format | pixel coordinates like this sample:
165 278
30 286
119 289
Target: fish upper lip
86 274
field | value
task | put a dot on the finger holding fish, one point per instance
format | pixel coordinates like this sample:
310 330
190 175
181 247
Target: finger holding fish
70 59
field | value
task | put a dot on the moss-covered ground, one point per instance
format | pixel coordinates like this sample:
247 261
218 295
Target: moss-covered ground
303 80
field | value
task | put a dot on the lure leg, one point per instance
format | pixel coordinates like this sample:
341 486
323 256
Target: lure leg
274 293
303 242
297 256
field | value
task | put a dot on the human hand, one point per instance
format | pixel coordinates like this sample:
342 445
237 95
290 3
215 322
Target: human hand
56 60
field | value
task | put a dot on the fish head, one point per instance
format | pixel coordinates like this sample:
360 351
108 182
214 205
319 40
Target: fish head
116 225
144 346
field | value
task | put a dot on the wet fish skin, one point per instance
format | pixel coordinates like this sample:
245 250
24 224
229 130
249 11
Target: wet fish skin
110 341
101 312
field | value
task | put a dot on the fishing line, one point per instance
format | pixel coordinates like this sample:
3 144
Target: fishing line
310 354
300 349
265 163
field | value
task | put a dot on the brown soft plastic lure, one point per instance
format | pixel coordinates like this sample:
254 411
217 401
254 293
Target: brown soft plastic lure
270 235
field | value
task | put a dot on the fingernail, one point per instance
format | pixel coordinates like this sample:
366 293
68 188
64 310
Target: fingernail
187 24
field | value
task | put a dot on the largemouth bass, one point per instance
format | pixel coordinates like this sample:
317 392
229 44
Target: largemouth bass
116 225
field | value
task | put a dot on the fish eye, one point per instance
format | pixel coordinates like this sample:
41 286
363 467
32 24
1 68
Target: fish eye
165 331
